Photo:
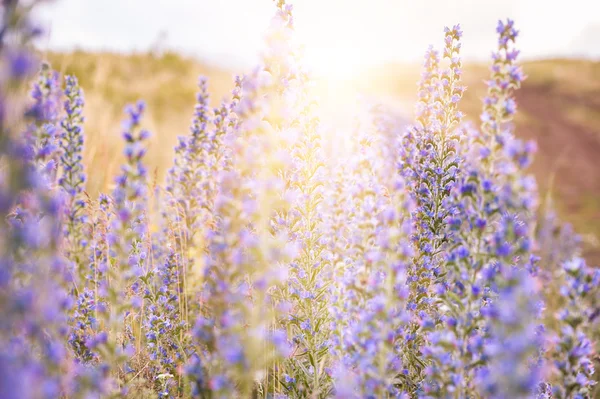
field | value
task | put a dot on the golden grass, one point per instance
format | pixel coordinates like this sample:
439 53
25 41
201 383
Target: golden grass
167 83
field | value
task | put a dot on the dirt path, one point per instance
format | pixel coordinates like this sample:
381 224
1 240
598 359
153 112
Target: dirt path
568 158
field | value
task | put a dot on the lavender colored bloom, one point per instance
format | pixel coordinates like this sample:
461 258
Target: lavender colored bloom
33 299
72 177
572 347
191 185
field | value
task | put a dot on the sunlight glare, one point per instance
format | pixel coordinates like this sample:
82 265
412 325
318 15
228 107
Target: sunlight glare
338 63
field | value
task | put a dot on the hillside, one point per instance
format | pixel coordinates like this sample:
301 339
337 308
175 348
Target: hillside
559 107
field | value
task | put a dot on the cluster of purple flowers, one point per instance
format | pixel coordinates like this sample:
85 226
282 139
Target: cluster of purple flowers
413 265
73 178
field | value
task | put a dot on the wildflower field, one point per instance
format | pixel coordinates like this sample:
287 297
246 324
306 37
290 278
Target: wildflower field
409 260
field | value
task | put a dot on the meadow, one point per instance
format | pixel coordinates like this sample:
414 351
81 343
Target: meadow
266 249
558 108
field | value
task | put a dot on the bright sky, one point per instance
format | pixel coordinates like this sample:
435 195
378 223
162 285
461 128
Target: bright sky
341 35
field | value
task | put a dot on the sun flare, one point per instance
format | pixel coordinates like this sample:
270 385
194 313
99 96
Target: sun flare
337 63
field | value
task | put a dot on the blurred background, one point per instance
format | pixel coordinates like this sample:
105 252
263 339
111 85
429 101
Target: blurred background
124 50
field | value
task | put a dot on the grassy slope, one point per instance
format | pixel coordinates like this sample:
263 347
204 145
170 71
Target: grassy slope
559 108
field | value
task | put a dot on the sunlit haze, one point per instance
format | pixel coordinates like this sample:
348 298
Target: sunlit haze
341 36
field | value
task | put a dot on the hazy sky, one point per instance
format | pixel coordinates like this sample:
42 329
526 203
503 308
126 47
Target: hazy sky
337 33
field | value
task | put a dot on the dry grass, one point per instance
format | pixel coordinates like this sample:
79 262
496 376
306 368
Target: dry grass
168 85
